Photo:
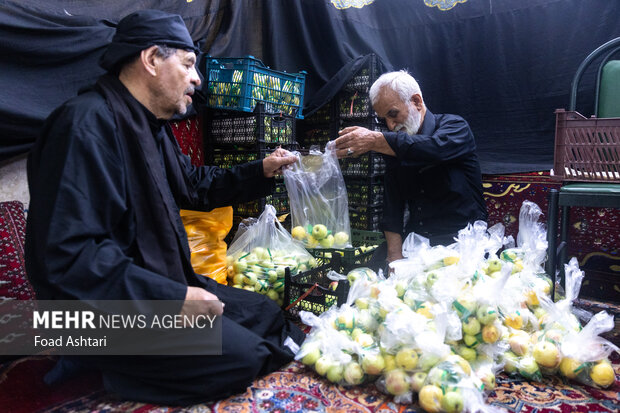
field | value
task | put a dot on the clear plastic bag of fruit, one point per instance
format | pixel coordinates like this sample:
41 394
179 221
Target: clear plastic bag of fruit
531 248
331 348
565 346
478 314
537 352
318 200
474 242
449 387
585 353
258 258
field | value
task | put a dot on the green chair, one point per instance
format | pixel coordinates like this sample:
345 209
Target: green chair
586 151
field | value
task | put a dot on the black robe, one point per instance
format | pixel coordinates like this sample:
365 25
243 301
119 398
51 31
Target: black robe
103 224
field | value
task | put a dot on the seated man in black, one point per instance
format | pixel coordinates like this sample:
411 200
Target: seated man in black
107 179
432 166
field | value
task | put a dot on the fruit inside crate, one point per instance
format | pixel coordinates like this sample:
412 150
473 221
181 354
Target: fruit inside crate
323 115
256 207
369 164
365 218
238 128
354 105
240 83
364 244
228 159
366 76
313 291
317 136
365 192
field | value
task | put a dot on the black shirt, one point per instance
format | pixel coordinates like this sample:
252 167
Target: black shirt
437 175
82 232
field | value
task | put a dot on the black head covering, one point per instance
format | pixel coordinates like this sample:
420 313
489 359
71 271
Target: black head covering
141 30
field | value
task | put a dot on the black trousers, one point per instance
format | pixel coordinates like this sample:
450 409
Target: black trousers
253 333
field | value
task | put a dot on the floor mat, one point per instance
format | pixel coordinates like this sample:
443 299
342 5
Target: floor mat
292 389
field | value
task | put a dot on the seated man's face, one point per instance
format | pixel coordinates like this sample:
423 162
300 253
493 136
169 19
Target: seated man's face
177 80
398 115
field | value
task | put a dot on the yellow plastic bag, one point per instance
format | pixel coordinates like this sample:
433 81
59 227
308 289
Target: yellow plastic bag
206 232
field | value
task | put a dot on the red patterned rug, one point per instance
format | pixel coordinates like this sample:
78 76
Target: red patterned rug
293 389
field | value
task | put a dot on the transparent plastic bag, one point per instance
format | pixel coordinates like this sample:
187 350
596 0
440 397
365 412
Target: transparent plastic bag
258 257
205 233
318 200
332 346
585 354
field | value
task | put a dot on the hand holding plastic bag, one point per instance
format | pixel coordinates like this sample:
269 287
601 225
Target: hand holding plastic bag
318 200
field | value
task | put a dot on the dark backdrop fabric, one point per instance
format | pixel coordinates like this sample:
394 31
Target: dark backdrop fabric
505 66
50 49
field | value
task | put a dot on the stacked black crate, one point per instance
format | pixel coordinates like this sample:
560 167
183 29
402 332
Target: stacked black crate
363 175
235 137
320 127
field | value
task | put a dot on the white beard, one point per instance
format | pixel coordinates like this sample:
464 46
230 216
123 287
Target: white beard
413 122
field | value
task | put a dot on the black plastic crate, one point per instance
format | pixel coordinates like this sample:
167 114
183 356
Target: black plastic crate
224 158
354 105
366 218
368 165
366 76
244 129
312 291
325 114
280 187
256 207
365 191
356 256
317 136
371 122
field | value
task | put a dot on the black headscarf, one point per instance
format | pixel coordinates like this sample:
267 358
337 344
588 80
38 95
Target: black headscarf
141 30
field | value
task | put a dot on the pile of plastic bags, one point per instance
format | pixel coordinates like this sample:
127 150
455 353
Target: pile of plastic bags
448 319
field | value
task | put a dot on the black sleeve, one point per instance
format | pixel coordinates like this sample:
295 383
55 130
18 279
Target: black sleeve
208 187
394 205
79 206
451 140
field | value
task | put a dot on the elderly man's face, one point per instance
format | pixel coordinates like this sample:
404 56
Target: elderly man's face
177 79
397 114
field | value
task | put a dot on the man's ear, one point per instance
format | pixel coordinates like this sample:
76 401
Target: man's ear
417 101
150 60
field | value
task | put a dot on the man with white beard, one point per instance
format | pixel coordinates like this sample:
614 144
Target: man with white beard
432 166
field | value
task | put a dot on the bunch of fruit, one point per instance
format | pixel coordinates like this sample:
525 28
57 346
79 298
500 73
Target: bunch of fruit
262 270
560 344
480 326
440 325
319 236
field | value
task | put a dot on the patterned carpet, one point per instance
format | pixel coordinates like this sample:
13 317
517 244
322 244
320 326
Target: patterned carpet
292 389
594 233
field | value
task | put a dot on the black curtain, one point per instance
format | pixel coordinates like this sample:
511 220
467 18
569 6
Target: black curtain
505 66
50 49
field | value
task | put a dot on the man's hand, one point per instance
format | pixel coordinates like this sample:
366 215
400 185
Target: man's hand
199 301
356 140
272 165
394 246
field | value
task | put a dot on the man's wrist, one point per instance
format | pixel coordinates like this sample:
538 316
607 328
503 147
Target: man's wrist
376 142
